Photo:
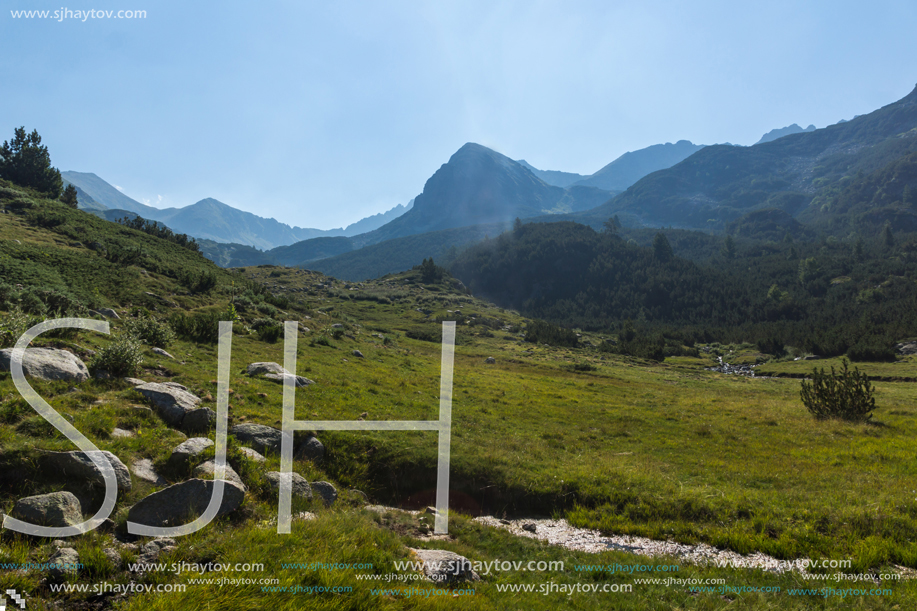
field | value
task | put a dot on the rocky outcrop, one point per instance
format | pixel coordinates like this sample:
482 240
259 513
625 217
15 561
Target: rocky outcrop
262 438
48 364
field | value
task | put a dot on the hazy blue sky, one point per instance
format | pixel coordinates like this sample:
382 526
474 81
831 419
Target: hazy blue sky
320 113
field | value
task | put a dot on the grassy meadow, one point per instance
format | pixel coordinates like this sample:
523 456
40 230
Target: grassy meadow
662 450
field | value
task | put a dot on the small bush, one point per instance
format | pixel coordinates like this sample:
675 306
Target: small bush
150 331
541 332
267 309
846 394
13 325
270 333
203 327
871 350
120 358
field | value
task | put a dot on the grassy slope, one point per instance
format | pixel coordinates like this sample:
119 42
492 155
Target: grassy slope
668 451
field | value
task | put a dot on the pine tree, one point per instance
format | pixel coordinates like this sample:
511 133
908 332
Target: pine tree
69 197
25 162
729 248
662 250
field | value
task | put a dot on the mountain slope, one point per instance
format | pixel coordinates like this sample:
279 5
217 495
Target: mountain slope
784 131
553 177
719 184
107 195
631 167
479 186
375 221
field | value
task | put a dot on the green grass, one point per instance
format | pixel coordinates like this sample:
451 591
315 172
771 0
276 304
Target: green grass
665 450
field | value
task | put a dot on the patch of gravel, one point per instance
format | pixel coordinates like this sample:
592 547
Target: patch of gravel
559 532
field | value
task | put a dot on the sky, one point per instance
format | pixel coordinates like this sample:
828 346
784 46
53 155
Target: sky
319 113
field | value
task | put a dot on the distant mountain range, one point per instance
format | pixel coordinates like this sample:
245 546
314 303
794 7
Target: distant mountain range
784 131
210 219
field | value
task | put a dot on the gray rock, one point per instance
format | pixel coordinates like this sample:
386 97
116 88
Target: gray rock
143 469
174 385
177 504
337 325
206 471
252 455
906 348
279 378
529 526
162 352
300 488
48 364
259 368
65 561
171 403
490 360
78 465
199 420
134 381
56 509
109 313
113 556
262 438
442 566
122 433
311 449
358 354
358 495
326 491
185 452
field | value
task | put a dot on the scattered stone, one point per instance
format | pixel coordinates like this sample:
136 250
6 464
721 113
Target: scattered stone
113 556
109 313
122 433
358 496
529 526
199 420
171 403
337 325
252 455
79 465
162 352
311 449
174 505
490 360
364 415
143 469
151 550
64 562
326 491
134 381
741 370
48 364
358 354
441 566
263 438
259 368
430 511
56 509
207 470
299 381
300 487
906 348
102 375
185 452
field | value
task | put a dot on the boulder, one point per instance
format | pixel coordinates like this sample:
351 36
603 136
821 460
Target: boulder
185 452
326 491
162 352
109 313
199 420
252 455
122 433
182 502
48 364
56 509
78 465
143 469
65 561
207 469
279 378
311 449
358 354
490 360
443 566
259 368
171 403
300 488
134 381
174 385
262 438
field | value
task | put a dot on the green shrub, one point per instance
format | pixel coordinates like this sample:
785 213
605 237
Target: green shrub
270 333
120 358
541 332
203 327
150 331
846 394
267 309
13 325
872 349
